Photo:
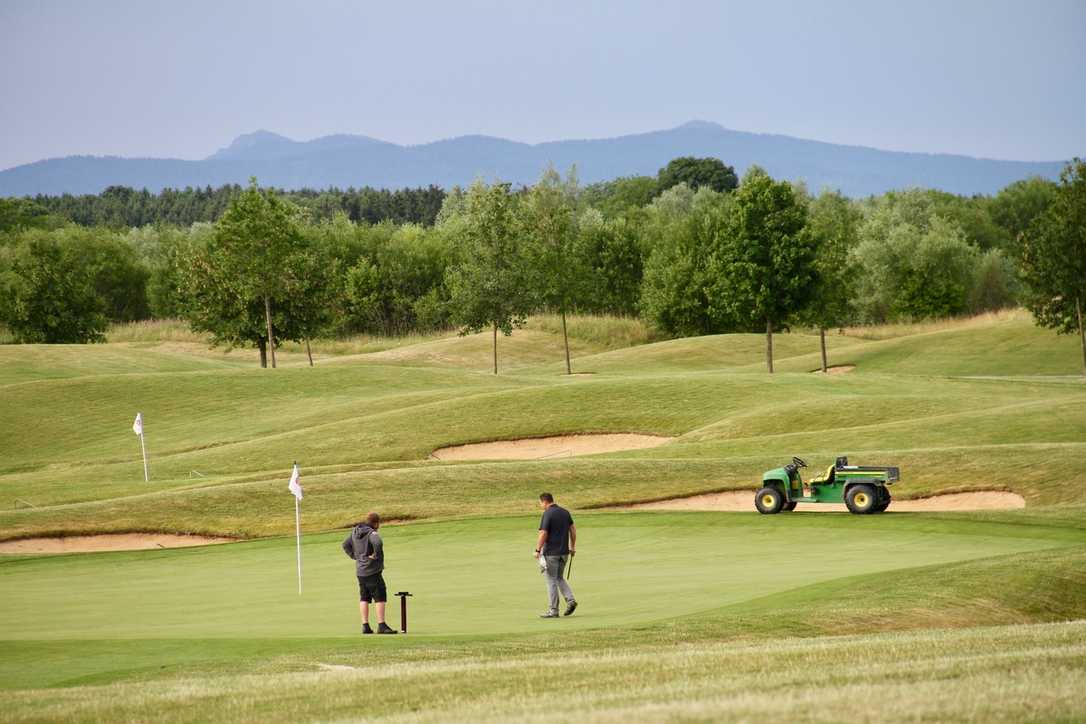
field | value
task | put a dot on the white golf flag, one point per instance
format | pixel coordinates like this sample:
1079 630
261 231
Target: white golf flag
295 483
137 426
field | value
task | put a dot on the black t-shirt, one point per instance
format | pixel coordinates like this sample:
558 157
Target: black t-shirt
556 521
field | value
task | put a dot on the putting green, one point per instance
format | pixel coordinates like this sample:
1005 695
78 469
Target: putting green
477 576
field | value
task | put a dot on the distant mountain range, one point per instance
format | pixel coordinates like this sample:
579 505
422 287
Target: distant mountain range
345 161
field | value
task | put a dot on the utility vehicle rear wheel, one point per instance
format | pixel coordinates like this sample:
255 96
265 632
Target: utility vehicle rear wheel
789 506
884 500
862 499
768 501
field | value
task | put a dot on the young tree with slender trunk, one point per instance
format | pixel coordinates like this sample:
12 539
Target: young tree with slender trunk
550 218
490 285
255 237
1054 258
763 268
312 290
833 222
250 282
211 302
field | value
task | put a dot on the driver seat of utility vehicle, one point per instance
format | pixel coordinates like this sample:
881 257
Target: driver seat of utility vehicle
826 477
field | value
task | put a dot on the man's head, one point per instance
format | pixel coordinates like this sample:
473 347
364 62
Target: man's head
546 500
373 520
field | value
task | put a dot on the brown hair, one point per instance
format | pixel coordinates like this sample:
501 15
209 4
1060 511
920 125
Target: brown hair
373 520
546 497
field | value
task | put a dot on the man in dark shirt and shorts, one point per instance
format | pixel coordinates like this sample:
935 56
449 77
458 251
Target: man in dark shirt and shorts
557 540
364 545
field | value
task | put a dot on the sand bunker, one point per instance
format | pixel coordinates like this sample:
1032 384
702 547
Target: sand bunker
744 501
539 448
836 369
107 542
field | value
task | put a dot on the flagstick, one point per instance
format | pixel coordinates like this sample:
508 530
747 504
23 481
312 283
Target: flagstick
143 448
298 532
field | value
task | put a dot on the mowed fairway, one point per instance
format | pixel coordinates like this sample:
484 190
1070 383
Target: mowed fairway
684 615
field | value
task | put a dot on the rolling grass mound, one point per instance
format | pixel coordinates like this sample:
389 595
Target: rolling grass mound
991 345
29 363
538 342
222 440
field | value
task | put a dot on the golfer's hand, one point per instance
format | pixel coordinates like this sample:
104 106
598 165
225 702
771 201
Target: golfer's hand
572 552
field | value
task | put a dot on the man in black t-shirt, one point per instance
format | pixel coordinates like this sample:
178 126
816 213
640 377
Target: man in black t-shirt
557 540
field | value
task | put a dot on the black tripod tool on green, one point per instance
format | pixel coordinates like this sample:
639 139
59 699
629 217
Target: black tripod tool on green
403 610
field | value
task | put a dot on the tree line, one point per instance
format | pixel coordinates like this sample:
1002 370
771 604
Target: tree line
692 250
122 207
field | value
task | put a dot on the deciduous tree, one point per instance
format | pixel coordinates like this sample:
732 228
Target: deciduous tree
833 223
682 234
617 197
252 242
397 268
550 220
764 267
1054 258
696 173
490 284
615 267
1016 206
47 293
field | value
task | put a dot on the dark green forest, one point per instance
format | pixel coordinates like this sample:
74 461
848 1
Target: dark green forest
692 250
121 207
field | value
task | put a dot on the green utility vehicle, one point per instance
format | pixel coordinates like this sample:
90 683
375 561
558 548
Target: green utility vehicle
862 488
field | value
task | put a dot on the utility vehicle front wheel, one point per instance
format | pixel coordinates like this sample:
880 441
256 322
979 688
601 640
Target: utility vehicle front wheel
862 499
769 501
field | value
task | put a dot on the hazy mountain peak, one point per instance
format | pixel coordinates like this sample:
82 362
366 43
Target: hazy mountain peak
344 139
260 136
253 145
699 125
265 145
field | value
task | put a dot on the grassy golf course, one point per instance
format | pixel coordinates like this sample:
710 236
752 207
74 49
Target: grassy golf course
693 616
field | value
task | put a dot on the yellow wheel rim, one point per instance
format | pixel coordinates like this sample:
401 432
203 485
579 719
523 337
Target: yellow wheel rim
768 501
861 500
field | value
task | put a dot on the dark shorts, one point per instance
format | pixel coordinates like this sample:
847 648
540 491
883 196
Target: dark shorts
371 589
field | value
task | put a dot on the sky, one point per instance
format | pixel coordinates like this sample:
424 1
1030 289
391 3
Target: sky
987 78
